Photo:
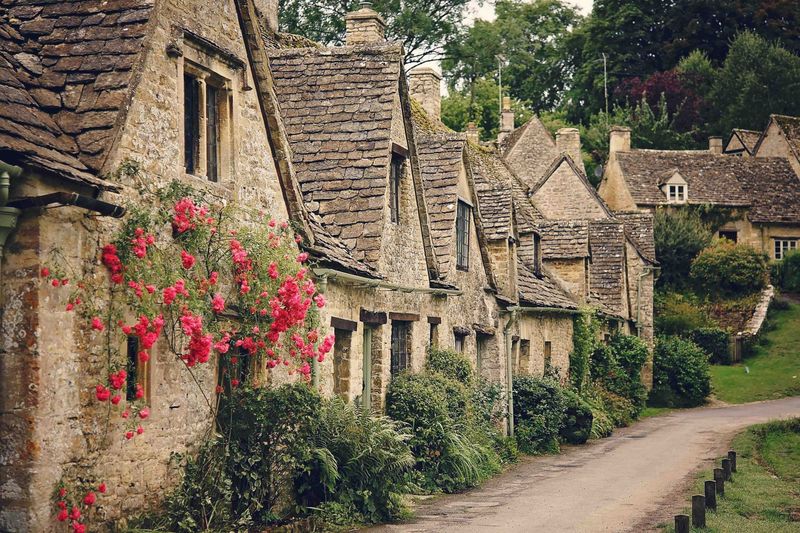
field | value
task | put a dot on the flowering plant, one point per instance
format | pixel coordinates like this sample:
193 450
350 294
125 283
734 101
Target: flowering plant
192 281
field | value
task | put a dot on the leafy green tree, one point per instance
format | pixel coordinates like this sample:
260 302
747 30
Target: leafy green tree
758 78
424 26
480 104
679 236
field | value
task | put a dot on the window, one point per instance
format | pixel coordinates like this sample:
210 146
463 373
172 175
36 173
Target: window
731 235
191 123
462 235
458 342
677 193
548 355
537 255
784 246
481 351
524 357
137 371
341 361
401 346
212 133
395 175
432 335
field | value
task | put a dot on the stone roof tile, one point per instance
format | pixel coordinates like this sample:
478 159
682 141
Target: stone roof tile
541 291
607 269
639 230
564 239
791 131
530 150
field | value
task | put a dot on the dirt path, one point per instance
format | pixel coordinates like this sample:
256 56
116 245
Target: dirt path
628 482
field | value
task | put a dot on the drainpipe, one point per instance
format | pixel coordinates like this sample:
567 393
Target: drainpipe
507 333
8 215
322 287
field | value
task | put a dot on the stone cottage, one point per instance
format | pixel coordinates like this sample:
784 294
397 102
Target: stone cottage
781 138
742 142
758 197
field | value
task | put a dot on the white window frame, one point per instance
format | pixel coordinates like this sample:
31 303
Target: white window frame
676 193
783 246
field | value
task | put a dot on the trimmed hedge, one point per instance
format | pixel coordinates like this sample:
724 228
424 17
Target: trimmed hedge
680 374
578 419
729 268
539 411
715 342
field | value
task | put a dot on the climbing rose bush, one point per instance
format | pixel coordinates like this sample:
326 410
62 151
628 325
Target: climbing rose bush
191 281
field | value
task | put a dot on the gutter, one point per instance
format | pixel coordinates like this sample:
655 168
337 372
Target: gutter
509 371
62 198
334 275
557 310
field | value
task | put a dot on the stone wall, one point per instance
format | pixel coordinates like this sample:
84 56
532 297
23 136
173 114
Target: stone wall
537 329
572 273
565 197
613 189
774 144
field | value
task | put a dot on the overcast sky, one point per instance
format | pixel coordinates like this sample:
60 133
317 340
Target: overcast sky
486 11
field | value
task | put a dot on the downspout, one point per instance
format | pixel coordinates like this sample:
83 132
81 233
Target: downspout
8 215
507 334
322 287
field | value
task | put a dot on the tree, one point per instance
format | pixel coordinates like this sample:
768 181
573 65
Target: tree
530 37
757 79
424 26
479 103
680 235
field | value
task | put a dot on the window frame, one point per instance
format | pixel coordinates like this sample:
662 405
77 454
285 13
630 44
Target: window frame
400 347
676 193
784 245
458 341
463 222
138 371
396 170
727 234
537 254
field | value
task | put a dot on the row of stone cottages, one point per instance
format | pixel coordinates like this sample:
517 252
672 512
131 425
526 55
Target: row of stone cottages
418 235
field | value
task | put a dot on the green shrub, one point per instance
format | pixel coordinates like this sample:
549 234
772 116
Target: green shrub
730 269
786 273
617 366
539 410
680 373
679 314
679 236
715 342
450 364
358 461
578 419
584 342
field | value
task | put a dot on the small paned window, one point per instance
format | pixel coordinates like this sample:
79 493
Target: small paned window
548 355
458 342
730 235
784 246
341 361
137 371
204 110
433 334
462 235
677 193
191 123
401 346
212 133
395 175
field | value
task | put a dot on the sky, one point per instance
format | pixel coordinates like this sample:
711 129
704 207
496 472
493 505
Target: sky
486 11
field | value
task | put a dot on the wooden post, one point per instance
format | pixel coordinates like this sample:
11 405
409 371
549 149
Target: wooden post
698 511
732 458
681 523
711 495
719 479
726 468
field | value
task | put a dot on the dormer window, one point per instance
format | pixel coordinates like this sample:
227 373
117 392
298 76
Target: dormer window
676 193
463 216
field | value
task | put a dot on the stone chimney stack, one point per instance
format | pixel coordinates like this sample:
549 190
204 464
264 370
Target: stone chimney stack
620 139
472 133
568 141
267 11
715 145
506 120
424 84
364 25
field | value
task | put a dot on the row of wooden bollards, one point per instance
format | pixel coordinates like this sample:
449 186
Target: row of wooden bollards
709 500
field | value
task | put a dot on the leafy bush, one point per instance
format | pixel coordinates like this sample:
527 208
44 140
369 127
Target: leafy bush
618 367
439 413
787 272
584 342
450 364
359 462
730 269
679 236
539 410
680 373
578 419
715 342
679 314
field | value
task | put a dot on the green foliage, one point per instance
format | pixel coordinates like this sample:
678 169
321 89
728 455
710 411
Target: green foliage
680 374
787 272
679 236
359 463
584 342
578 419
679 314
478 102
617 366
715 342
539 411
726 268
697 72
451 364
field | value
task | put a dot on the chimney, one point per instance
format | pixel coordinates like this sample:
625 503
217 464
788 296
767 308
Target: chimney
568 141
506 120
715 145
267 11
620 139
364 25
472 133
424 84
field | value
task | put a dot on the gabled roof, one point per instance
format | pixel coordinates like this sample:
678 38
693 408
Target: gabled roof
773 189
565 239
747 138
607 270
67 70
541 291
493 187
530 150
790 126
711 178
639 230
337 106
554 166
441 158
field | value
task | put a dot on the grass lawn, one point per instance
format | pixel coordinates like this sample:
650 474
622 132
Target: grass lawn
765 493
774 369
654 411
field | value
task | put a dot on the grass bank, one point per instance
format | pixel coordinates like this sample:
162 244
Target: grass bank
772 372
765 493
